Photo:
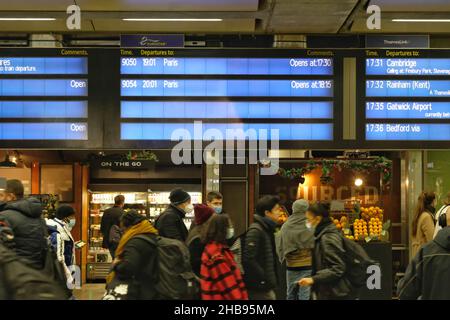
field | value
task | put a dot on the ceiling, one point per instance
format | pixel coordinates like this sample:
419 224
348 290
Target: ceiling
238 16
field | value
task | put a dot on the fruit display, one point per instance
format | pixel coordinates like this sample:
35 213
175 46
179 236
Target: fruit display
360 229
375 227
342 223
372 212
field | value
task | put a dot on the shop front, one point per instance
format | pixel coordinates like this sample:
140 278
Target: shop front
365 204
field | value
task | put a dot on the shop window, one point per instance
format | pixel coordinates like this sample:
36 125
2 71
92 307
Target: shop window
437 174
22 174
57 179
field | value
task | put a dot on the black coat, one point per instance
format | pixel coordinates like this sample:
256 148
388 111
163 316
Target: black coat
428 275
259 257
329 267
30 230
110 217
138 266
170 224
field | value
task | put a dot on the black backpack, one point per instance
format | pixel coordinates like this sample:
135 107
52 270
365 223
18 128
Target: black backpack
175 279
19 281
357 262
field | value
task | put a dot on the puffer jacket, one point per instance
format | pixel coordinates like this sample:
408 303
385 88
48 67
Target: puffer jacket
170 224
329 265
259 257
63 243
428 274
30 230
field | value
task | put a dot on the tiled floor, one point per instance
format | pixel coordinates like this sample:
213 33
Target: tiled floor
90 291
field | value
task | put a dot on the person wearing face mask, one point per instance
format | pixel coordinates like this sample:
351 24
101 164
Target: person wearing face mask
328 280
202 215
259 256
61 238
24 216
170 223
221 278
424 222
295 245
214 199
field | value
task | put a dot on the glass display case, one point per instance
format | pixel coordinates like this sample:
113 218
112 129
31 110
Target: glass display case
99 258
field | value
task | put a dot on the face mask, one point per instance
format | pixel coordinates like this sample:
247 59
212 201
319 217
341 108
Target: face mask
230 233
218 210
71 224
189 208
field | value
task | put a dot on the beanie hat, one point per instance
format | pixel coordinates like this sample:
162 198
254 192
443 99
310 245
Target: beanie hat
178 196
131 218
300 206
202 213
64 211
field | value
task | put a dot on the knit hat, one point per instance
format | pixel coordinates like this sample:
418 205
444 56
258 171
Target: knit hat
131 218
178 196
64 211
202 213
300 206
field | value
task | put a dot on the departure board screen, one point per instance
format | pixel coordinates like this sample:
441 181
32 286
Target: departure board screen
407 95
43 98
162 97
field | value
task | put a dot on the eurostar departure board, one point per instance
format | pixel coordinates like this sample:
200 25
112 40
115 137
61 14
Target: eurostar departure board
407 98
45 98
169 95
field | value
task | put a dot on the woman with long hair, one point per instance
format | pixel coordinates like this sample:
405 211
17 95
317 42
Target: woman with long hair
221 278
423 221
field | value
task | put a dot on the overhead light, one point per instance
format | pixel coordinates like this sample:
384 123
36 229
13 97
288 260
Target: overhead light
421 20
27 19
172 19
358 182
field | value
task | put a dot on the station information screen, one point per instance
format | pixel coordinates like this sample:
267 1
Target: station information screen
407 96
192 94
43 98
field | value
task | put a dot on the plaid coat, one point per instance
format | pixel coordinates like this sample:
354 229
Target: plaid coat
221 279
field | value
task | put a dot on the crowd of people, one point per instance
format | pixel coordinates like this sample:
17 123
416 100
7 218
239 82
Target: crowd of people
218 263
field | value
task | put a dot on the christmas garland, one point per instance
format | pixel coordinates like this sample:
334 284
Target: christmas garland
383 165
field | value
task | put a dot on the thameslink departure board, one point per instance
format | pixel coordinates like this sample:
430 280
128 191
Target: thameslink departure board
164 94
407 98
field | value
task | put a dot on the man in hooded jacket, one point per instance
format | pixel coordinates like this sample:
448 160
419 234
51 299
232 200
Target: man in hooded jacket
428 274
24 218
295 246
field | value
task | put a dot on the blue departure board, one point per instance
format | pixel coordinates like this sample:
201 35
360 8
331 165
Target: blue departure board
168 131
407 110
57 65
413 90
227 88
43 131
228 66
291 95
44 98
226 110
407 131
408 88
408 67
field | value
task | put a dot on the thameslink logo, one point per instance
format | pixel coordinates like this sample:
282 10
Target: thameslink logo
190 148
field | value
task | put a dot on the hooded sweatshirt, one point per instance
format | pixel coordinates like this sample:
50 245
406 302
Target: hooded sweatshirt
296 241
29 228
428 274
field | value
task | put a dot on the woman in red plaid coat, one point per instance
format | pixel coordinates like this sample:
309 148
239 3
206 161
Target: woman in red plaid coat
221 279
